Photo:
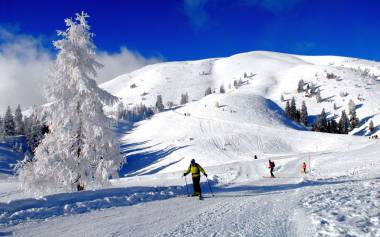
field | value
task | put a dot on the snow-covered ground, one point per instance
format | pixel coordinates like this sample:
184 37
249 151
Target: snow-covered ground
337 197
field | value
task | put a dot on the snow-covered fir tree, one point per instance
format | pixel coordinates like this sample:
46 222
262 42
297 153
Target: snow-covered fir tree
293 109
318 96
371 127
301 84
303 114
80 151
320 125
208 91
159 104
344 123
351 106
120 111
354 120
8 123
1 129
184 99
19 123
287 109
222 90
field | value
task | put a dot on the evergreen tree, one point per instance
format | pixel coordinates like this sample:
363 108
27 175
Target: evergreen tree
333 128
184 99
1 129
222 90
318 96
159 104
354 120
371 127
236 85
344 123
287 109
320 125
208 91
282 98
351 106
335 107
120 112
293 109
304 114
301 84
19 123
80 150
9 124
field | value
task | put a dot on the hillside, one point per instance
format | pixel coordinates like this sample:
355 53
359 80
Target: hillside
249 118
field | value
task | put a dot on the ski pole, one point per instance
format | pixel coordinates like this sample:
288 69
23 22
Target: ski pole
187 189
210 187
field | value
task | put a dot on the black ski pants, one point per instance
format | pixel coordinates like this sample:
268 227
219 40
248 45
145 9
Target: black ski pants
197 185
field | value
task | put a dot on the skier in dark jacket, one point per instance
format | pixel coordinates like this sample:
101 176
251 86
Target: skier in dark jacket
271 167
195 169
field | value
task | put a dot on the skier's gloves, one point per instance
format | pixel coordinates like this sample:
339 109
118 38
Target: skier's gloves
184 174
206 175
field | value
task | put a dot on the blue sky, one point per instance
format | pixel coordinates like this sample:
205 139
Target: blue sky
132 34
195 29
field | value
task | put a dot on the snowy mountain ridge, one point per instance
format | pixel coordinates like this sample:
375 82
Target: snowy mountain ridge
267 74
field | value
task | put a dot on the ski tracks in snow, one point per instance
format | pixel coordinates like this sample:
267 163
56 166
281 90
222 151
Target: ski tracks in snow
346 208
246 214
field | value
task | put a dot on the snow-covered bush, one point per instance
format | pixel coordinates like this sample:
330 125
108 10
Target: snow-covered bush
80 150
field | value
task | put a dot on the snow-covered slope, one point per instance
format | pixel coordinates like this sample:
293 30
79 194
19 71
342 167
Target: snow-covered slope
249 119
268 74
337 196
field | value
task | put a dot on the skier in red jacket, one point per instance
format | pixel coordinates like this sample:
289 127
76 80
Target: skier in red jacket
304 167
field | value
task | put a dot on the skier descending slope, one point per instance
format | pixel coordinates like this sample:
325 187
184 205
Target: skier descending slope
304 167
271 167
195 169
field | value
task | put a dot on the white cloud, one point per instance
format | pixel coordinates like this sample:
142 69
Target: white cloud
195 10
25 65
121 62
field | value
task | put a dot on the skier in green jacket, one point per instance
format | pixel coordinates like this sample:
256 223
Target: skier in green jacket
195 169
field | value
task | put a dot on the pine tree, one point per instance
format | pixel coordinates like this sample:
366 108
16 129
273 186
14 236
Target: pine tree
320 124
354 120
318 96
120 112
184 99
19 123
159 104
287 109
371 127
333 126
301 84
9 124
208 91
222 90
80 150
282 98
304 114
1 129
293 109
335 107
351 107
344 123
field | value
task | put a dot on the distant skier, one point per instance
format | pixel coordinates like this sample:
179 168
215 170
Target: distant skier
271 167
304 167
255 157
195 169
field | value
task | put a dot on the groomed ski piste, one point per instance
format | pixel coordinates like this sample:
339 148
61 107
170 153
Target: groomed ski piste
338 196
